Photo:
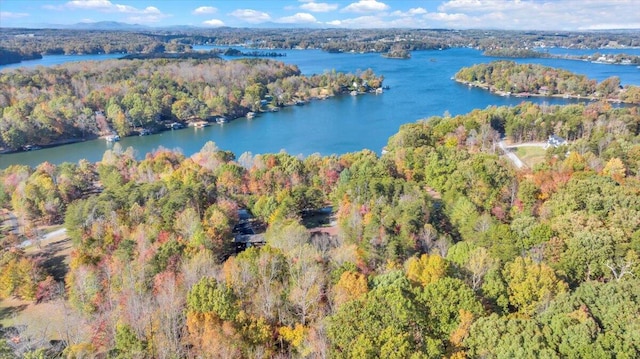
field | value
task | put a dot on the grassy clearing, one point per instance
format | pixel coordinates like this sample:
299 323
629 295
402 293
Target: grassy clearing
42 321
531 155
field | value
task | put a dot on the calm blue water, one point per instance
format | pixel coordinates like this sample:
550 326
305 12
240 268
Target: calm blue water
579 52
51 60
420 87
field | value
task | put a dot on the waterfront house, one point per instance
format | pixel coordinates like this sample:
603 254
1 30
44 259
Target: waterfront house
544 91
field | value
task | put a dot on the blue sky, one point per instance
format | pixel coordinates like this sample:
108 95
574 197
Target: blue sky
455 14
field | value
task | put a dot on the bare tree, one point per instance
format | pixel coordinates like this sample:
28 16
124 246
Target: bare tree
169 309
478 265
621 268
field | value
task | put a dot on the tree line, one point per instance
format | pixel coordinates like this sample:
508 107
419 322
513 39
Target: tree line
443 249
69 41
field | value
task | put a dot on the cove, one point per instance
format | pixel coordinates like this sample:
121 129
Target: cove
420 87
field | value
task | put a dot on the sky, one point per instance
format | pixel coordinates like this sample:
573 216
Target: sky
450 14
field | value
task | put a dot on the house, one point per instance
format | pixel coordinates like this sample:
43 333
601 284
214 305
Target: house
544 91
556 141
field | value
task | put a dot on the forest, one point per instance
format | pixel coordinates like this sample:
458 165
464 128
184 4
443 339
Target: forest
534 79
75 101
149 40
442 248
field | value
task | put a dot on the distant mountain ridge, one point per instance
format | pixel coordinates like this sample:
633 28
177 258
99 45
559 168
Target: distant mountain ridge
100 25
122 26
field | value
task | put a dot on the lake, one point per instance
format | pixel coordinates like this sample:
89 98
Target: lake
420 87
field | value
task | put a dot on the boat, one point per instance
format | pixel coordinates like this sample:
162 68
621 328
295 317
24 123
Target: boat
31 147
251 115
221 120
200 124
354 93
112 138
144 132
176 125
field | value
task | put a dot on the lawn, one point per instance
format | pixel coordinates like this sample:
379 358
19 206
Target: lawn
531 155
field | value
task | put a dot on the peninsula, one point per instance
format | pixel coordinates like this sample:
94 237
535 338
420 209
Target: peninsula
508 78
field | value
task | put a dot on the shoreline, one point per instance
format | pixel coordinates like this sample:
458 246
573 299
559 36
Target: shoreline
7 151
486 87
187 124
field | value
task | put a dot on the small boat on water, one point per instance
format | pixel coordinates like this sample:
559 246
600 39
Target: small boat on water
251 115
31 147
354 93
201 124
112 138
221 120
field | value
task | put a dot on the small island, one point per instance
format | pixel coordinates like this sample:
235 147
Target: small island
397 52
235 52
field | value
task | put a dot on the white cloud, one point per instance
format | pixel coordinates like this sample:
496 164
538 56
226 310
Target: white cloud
537 14
91 4
203 10
364 6
484 5
251 16
150 14
12 15
443 16
318 6
299 18
410 12
360 22
213 22
102 6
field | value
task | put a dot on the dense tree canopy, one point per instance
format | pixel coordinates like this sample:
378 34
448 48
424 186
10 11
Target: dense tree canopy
443 248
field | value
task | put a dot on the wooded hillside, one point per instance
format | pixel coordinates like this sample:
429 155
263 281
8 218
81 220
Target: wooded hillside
443 249
41 106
